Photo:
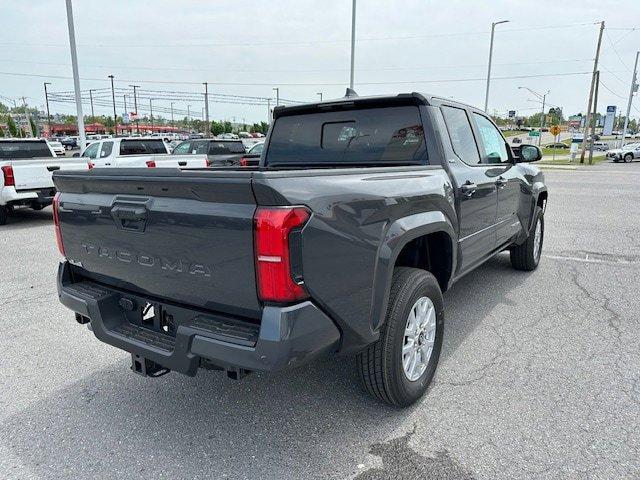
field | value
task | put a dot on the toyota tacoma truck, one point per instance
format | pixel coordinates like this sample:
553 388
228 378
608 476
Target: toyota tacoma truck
26 169
361 212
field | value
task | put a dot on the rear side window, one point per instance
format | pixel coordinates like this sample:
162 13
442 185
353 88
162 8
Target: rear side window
391 135
225 148
106 149
182 148
17 150
142 147
462 139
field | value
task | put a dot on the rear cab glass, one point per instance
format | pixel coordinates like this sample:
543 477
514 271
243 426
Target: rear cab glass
226 148
367 136
142 147
16 150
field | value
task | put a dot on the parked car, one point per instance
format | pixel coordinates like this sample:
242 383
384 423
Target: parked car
625 154
558 145
27 166
516 140
600 146
341 244
69 143
57 147
252 157
218 152
138 152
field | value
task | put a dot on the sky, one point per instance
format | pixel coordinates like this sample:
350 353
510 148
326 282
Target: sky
302 47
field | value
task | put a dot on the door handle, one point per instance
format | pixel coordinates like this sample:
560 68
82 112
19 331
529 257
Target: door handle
501 182
468 188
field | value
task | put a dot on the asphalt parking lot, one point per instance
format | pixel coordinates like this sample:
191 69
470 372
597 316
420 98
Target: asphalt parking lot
539 376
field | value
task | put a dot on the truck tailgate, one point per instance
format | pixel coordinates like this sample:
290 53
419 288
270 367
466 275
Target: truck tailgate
186 236
181 161
35 173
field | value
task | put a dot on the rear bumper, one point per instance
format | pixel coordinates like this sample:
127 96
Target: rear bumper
287 336
41 196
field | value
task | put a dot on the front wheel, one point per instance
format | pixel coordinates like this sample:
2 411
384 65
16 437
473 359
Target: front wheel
527 256
628 158
398 368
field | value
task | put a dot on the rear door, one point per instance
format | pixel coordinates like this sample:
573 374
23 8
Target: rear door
476 189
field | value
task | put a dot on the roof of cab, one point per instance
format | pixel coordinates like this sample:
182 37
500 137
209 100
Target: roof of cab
351 99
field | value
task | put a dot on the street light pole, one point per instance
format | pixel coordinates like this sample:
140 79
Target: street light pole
46 99
631 90
115 115
353 42
188 118
135 106
151 113
206 108
277 90
543 98
124 97
76 75
320 94
91 100
171 115
486 95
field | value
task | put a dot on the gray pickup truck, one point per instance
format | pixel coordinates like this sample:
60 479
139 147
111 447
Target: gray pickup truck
363 210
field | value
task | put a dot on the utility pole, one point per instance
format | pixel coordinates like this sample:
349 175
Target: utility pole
320 94
115 115
633 88
486 95
76 75
172 115
91 100
269 111
188 118
124 97
27 115
353 41
206 108
277 90
593 80
542 98
46 99
151 112
595 112
135 106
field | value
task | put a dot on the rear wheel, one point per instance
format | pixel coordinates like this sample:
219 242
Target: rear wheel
527 256
398 368
4 213
628 158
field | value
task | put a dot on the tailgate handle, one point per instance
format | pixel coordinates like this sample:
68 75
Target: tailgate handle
182 164
53 168
130 218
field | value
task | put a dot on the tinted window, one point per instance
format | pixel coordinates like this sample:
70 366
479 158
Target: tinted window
142 147
257 149
92 150
182 148
368 136
106 149
17 150
495 150
461 134
226 148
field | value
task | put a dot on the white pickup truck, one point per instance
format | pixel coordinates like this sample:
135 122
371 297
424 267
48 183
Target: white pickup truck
26 167
138 152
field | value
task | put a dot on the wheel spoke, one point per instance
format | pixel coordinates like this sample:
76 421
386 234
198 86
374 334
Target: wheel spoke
408 346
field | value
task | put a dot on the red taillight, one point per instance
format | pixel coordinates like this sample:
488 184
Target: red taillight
273 227
90 165
56 222
244 162
209 162
151 163
9 179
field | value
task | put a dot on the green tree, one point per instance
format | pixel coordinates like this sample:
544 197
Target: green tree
3 108
264 127
34 129
2 135
228 128
217 128
11 125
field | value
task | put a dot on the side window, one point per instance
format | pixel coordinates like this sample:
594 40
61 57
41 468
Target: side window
182 149
92 150
495 149
106 149
462 139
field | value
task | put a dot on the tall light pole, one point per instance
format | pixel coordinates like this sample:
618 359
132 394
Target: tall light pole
188 118
172 115
587 122
277 90
76 75
353 41
46 99
320 94
135 106
91 100
151 112
543 98
631 90
124 97
269 111
486 95
206 108
115 115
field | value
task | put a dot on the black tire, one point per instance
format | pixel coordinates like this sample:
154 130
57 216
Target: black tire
628 158
380 364
4 213
524 257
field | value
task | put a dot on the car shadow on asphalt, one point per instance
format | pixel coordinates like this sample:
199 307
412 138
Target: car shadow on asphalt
114 424
22 218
